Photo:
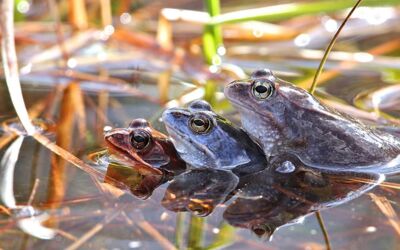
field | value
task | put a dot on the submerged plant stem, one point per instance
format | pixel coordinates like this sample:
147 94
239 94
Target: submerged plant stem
196 232
180 220
323 229
329 48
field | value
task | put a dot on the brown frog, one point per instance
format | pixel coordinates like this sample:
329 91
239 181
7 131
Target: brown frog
140 143
284 118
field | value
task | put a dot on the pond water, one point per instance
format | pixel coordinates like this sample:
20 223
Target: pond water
48 203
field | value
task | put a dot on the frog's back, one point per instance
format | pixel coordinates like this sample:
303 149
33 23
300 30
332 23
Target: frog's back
329 139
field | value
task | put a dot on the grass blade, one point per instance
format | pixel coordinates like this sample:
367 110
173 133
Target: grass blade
330 46
286 11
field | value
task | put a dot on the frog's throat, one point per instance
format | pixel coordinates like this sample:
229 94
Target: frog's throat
266 134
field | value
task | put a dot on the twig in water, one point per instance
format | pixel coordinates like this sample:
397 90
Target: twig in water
97 228
59 31
323 229
33 192
149 229
387 209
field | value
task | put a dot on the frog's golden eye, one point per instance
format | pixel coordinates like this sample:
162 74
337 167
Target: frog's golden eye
200 124
200 209
262 89
140 139
262 230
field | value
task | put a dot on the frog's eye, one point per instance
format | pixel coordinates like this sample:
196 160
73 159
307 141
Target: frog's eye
200 209
200 124
140 139
262 230
262 89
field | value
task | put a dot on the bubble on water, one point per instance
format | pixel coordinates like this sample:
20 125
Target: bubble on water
331 25
164 216
302 40
258 32
286 167
135 244
109 30
370 229
107 128
23 7
125 18
221 50
213 68
72 63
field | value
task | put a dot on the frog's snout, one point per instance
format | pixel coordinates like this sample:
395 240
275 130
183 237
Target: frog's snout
236 88
170 115
116 135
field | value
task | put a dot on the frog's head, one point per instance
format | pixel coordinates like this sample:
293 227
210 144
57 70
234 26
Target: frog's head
139 142
265 102
204 139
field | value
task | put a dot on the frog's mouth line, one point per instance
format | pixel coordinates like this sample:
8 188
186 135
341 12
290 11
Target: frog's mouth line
240 105
120 151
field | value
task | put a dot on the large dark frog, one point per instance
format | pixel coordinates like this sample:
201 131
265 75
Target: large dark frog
140 143
206 140
284 118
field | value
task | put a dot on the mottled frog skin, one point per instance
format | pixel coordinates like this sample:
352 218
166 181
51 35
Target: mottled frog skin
284 118
205 139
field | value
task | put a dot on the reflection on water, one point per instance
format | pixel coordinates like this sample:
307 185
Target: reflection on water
262 201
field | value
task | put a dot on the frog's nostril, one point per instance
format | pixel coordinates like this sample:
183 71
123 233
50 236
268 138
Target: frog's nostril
172 113
261 73
138 123
117 136
169 115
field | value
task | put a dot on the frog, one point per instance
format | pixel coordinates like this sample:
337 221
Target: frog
140 143
205 139
282 117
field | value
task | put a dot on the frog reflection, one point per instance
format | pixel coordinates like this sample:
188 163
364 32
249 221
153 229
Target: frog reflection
268 199
199 190
272 199
127 178
285 118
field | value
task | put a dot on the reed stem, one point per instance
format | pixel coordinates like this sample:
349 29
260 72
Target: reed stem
329 48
